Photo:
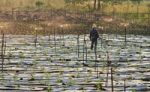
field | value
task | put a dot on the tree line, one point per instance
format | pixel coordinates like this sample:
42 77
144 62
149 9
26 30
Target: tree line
98 3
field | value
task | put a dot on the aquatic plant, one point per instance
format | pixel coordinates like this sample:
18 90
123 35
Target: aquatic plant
59 80
133 90
47 75
99 86
31 78
21 55
71 82
49 88
49 59
9 55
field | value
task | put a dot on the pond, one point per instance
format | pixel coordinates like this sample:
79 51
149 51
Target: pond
66 63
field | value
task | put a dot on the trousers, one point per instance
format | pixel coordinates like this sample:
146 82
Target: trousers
94 44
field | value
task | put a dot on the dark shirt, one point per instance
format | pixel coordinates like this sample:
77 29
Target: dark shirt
94 34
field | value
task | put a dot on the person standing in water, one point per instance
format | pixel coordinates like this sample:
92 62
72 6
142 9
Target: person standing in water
93 37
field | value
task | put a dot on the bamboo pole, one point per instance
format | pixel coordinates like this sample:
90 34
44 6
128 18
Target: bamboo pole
124 85
55 39
63 37
112 85
101 41
125 36
44 26
86 50
78 45
2 51
50 33
83 48
35 41
107 66
96 66
4 47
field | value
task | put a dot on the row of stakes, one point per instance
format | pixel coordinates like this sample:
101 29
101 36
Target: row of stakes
3 49
109 66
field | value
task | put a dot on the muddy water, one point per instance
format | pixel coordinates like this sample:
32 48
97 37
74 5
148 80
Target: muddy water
64 66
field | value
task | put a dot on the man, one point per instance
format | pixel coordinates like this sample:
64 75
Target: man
93 37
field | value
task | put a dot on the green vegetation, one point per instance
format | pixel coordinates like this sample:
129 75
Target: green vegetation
49 88
98 86
39 4
133 12
117 7
103 5
30 4
21 55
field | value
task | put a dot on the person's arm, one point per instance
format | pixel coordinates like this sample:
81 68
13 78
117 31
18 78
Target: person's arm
97 34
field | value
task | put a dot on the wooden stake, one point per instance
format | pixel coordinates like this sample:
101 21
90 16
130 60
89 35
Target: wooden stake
112 85
86 50
101 41
63 37
44 29
83 48
124 85
107 65
78 44
4 47
125 36
2 51
35 38
96 66
55 39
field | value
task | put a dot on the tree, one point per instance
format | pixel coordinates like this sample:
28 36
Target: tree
94 6
148 5
39 4
99 5
137 2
